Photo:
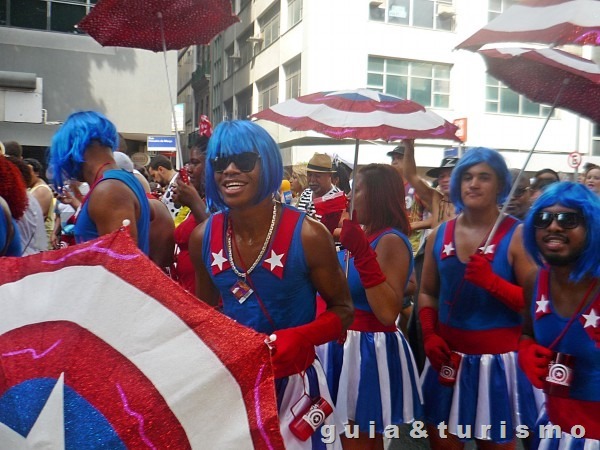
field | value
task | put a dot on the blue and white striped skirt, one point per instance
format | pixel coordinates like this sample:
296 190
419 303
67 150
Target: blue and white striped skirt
490 398
373 377
293 395
564 442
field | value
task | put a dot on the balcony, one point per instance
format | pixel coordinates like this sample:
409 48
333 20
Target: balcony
201 78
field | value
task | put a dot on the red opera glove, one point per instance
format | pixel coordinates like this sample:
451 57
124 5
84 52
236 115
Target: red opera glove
534 360
436 348
331 220
365 259
293 349
479 272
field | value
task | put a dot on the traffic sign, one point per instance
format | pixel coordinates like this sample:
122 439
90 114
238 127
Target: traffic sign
574 159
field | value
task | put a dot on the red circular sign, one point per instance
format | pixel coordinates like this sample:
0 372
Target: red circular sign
574 159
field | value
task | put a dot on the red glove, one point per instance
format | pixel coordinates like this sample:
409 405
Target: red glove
534 360
436 348
293 349
331 220
365 259
479 272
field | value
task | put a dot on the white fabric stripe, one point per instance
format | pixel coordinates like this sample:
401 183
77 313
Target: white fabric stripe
408 407
419 120
294 400
510 376
591 444
482 416
349 376
582 13
384 377
589 68
455 408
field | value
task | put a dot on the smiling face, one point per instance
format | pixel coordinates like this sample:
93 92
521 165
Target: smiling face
561 246
592 180
479 186
238 189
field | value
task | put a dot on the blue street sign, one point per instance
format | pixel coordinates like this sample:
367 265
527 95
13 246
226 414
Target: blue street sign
162 144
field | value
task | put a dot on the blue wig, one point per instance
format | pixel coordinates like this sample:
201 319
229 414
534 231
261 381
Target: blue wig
473 157
575 196
70 142
239 136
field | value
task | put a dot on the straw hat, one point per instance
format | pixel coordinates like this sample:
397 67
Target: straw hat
321 163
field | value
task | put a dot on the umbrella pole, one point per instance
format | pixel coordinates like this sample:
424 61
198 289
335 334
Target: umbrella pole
347 255
179 157
514 185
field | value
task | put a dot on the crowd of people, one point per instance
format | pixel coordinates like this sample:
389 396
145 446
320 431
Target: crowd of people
396 301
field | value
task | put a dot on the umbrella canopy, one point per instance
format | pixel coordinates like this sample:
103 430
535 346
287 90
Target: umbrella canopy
553 22
539 75
359 114
137 23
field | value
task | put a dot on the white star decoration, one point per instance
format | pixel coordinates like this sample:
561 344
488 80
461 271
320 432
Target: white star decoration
542 305
488 249
591 319
448 249
275 260
218 259
48 431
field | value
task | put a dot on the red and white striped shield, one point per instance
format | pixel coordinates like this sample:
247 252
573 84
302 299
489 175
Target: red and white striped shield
99 349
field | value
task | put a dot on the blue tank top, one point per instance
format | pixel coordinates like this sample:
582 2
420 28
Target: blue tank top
281 279
359 296
547 325
85 228
463 305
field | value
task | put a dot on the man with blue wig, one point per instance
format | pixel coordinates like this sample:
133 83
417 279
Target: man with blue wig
82 149
560 347
263 262
469 307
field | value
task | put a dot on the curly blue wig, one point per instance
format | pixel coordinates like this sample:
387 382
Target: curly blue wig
239 136
68 145
473 157
578 197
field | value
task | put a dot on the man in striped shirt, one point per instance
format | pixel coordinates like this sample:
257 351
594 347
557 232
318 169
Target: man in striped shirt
318 172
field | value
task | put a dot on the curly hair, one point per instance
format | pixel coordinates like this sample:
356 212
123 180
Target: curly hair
12 188
575 196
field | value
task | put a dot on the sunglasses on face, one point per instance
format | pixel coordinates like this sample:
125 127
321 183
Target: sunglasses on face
565 220
245 162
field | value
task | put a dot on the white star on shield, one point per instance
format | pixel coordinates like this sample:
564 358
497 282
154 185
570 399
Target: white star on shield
275 260
542 305
448 249
218 259
591 319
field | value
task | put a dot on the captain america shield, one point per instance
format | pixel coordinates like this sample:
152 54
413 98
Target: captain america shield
100 350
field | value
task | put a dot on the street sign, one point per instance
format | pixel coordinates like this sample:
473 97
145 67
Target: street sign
161 144
574 159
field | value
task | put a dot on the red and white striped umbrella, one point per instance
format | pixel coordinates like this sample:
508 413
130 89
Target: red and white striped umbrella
553 22
540 74
359 114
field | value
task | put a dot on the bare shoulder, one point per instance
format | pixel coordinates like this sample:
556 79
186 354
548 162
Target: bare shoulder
314 233
112 190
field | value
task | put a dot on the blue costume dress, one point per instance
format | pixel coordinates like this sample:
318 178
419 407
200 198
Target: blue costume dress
14 247
582 406
491 394
85 228
283 297
372 376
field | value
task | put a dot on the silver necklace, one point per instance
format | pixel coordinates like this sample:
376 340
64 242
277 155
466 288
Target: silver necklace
262 250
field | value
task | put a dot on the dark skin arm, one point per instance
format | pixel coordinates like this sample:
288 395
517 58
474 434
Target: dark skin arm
187 195
528 288
162 238
325 271
430 279
205 289
110 204
426 193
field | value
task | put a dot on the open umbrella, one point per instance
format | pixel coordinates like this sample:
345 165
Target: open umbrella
116 355
158 25
553 22
539 74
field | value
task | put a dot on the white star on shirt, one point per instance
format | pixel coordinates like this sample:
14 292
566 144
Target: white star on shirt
488 249
48 431
275 260
218 259
448 248
542 305
591 319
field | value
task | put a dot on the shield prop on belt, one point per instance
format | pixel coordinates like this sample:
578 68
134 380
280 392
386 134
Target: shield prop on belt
99 349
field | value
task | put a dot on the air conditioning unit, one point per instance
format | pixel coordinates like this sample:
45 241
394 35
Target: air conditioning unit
235 57
255 39
446 11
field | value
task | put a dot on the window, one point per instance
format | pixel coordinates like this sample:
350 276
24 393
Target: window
269 25
54 15
230 61
500 99
292 79
246 48
497 7
294 12
432 14
596 140
268 92
422 82
244 103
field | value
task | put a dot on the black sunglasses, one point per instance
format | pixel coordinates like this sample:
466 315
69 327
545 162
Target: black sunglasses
566 220
245 162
